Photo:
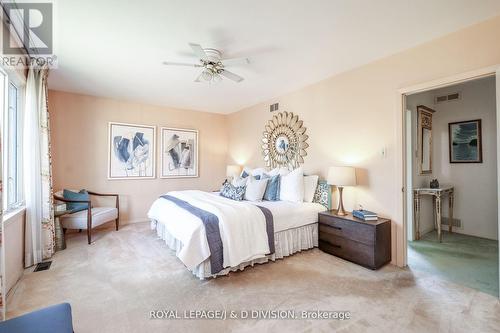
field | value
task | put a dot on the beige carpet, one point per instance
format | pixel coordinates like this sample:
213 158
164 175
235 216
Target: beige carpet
114 283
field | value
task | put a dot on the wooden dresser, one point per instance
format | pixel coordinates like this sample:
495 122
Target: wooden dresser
367 243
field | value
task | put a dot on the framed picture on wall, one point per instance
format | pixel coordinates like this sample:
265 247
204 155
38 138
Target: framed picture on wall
465 141
179 153
131 151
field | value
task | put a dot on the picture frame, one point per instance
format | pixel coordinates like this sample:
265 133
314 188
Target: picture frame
465 141
179 153
131 151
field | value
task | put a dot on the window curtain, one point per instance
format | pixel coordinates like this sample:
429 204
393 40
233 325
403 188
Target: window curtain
39 241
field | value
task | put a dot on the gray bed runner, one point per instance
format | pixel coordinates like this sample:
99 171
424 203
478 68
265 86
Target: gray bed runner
211 223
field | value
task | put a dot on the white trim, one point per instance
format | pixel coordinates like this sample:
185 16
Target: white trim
498 161
153 150
162 129
401 153
11 216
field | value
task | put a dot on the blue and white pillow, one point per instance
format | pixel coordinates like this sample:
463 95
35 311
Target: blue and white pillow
272 192
323 194
232 192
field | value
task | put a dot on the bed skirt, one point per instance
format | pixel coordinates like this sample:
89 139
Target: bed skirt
287 242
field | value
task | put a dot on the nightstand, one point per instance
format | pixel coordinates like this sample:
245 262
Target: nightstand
367 243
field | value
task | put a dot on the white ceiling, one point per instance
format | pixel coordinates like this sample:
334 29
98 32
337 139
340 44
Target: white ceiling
115 48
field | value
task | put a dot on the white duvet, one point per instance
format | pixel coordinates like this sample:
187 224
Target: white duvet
242 225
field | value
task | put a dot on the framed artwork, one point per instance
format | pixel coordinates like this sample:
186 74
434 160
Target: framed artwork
466 143
179 153
131 153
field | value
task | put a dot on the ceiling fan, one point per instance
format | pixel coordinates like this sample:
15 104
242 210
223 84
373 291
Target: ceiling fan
214 67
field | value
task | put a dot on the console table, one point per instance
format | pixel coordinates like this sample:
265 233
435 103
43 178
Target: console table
437 195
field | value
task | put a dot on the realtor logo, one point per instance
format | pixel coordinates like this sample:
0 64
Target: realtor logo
29 26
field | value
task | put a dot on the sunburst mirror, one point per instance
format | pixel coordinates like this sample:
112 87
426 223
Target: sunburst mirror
284 141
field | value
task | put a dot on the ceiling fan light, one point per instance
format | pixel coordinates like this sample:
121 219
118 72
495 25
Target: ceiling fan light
207 75
217 78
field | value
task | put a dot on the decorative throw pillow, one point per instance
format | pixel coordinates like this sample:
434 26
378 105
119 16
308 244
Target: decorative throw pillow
310 184
254 172
255 189
273 188
239 181
232 192
83 195
323 194
292 186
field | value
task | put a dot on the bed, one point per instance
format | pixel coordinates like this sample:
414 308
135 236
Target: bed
251 232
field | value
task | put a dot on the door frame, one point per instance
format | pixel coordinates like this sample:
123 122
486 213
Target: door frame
402 153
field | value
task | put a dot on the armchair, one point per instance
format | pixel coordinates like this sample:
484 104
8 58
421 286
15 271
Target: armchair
90 218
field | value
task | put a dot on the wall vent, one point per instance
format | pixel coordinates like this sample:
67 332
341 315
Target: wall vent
456 222
273 107
447 98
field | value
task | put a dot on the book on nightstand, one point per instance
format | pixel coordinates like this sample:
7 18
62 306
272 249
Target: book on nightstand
365 215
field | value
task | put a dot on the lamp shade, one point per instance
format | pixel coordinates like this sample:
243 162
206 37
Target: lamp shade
341 176
233 170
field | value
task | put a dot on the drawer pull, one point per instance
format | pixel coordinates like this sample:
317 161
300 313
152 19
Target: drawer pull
338 228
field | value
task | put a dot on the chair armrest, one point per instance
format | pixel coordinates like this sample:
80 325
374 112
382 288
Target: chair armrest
58 198
117 197
102 194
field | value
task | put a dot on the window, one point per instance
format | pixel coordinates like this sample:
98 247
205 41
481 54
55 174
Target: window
13 190
12 143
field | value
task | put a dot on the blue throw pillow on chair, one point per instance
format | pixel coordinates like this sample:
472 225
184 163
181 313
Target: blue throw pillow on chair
83 195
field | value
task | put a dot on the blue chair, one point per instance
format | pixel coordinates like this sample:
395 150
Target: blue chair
53 319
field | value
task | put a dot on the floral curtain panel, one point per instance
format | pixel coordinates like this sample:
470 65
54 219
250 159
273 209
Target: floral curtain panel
39 242
48 230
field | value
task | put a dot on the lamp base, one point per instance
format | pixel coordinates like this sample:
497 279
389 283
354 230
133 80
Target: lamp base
340 210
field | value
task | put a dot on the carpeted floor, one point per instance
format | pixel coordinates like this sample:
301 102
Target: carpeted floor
114 283
467 260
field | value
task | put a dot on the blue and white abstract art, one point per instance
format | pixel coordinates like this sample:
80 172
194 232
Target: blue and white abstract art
131 151
179 153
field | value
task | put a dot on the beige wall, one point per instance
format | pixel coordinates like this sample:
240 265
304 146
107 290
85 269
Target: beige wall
79 133
353 116
475 185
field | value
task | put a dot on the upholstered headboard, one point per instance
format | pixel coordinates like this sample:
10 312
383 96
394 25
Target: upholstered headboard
323 194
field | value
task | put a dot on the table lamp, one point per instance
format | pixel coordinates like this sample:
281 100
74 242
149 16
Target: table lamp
233 171
340 177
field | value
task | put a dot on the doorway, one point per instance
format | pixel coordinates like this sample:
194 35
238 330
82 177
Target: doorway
451 207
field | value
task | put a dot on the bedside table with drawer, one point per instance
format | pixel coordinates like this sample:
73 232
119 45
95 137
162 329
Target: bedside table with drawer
367 243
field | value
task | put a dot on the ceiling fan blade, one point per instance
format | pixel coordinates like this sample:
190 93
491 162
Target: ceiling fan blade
235 61
172 63
231 76
198 50
198 77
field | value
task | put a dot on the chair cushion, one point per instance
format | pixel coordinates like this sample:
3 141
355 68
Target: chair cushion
78 220
53 319
79 196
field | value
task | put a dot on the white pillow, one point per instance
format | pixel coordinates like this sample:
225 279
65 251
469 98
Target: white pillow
292 186
258 172
253 172
238 181
255 189
310 185
278 171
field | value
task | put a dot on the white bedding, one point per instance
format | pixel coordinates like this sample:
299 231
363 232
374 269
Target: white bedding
242 225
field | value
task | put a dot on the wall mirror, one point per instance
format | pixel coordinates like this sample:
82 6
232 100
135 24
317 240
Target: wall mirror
284 141
424 133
